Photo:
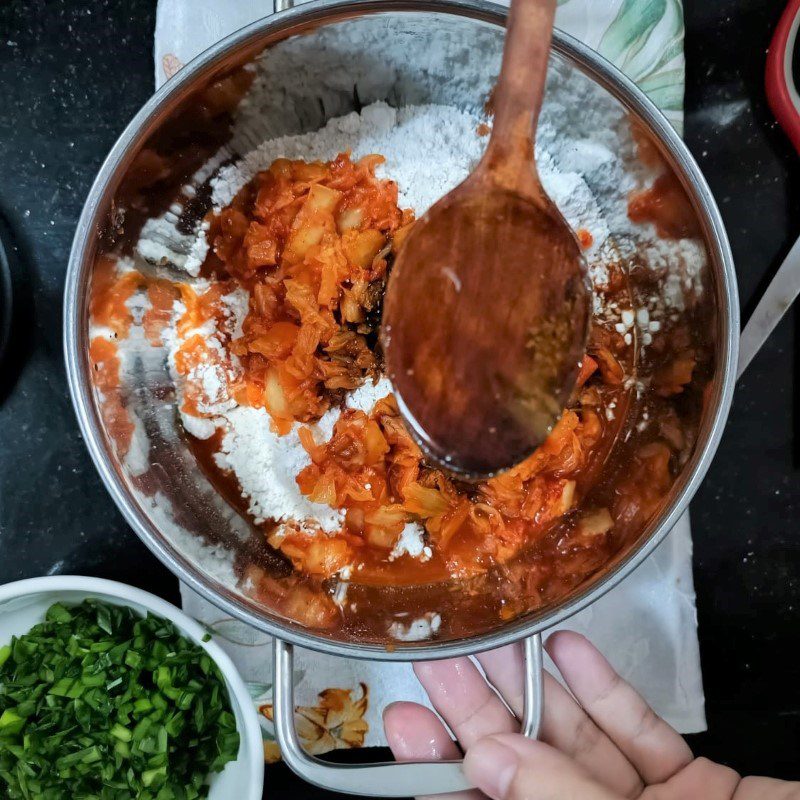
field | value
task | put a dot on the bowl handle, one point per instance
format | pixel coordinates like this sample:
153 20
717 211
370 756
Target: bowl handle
389 778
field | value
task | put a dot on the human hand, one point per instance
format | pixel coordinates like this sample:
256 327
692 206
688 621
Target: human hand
601 742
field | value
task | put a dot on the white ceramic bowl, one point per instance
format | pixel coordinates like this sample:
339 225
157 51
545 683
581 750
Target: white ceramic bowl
24 603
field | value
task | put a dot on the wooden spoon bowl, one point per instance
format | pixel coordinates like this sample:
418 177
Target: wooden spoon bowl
487 311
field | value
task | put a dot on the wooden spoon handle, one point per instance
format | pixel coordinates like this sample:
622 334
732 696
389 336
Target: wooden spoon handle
519 92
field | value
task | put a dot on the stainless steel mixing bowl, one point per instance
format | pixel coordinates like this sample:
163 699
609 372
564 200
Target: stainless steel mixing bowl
323 59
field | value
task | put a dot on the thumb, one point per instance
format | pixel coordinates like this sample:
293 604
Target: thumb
512 767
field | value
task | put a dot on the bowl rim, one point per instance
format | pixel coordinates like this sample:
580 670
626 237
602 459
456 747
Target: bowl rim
274 28
251 729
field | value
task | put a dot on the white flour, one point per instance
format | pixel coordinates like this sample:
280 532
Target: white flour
266 464
417 630
429 149
236 305
412 543
365 397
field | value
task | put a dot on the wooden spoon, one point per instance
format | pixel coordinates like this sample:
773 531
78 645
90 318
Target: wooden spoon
487 310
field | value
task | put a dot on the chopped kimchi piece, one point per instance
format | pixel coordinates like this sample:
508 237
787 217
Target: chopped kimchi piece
310 241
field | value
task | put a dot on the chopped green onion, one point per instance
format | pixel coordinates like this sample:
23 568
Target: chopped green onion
98 703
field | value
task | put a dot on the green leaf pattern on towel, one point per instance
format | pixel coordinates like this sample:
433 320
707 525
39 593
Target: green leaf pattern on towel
644 38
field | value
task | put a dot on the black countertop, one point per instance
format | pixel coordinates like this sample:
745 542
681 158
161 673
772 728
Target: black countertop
72 74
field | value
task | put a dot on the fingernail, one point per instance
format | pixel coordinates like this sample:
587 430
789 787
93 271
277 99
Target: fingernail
491 766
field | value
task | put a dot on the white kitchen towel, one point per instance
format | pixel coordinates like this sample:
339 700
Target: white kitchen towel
647 625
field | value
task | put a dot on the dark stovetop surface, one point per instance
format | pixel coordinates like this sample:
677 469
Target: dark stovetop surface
71 76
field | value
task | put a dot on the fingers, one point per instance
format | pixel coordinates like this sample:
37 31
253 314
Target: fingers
565 725
704 778
568 728
505 669
511 767
415 733
610 732
650 744
754 788
466 702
